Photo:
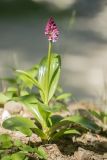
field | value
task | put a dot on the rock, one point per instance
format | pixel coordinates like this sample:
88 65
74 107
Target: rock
83 154
105 156
26 114
5 115
97 157
13 107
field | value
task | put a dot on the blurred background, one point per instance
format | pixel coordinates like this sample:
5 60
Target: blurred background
82 43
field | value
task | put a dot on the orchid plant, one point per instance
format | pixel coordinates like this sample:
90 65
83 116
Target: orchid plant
45 78
48 72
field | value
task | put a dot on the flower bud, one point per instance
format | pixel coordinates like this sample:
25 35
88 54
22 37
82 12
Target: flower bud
51 30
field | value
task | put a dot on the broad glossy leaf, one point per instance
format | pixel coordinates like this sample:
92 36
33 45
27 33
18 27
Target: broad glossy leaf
18 156
77 120
5 141
19 123
96 114
3 98
58 107
2 151
26 148
18 143
64 132
11 91
26 131
55 119
59 89
84 122
6 158
41 153
60 124
32 73
28 77
24 93
30 99
54 74
40 112
49 84
63 96
40 133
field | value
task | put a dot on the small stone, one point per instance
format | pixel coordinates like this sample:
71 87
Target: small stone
59 158
105 156
82 154
13 107
26 114
96 157
5 115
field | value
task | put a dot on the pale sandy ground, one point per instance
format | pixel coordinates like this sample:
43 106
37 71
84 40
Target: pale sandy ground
83 46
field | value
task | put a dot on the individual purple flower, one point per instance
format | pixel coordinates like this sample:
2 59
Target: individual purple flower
51 30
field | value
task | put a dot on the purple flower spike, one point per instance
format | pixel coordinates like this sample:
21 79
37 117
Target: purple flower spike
51 30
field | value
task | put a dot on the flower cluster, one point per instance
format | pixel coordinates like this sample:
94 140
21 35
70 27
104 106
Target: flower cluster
51 30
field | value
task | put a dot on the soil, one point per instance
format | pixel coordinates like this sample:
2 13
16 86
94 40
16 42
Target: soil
87 147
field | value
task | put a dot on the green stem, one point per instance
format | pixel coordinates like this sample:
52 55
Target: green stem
48 72
49 57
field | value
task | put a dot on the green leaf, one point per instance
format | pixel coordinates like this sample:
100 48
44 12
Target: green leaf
84 122
5 141
49 87
40 114
54 74
26 148
18 156
55 119
57 126
59 89
40 133
17 143
3 98
63 96
32 73
24 93
9 80
1 151
6 158
96 114
75 120
26 131
41 153
39 110
27 76
11 91
27 158
30 99
19 123
64 132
